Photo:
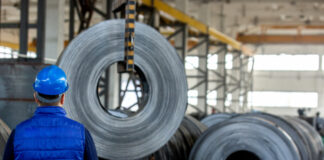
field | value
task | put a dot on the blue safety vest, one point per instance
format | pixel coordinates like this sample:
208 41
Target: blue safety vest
48 135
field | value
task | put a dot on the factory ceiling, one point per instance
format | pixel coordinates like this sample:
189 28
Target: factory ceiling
229 16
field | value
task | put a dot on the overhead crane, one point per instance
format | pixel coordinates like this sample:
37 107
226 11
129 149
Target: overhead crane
298 38
196 25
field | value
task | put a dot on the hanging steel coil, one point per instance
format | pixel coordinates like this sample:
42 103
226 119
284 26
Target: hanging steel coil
259 136
215 119
4 135
179 146
90 53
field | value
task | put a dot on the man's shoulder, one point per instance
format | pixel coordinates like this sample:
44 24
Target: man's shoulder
24 123
29 122
74 122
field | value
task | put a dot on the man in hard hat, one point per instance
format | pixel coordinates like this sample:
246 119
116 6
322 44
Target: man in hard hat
49 134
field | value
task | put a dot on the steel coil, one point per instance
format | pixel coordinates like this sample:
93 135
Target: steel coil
90 53
283 138
245 137
179 146
311 139
292 133
4 135
215 119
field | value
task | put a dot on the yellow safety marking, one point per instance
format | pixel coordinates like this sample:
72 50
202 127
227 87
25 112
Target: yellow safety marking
131 25
130 53
131 16
129 44
132 7
130 61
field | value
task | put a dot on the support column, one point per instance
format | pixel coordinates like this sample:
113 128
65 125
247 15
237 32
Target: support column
106 6
221 91
71 20
54 30
236 82
247 81
181 39
203 55
112 82
23 32
113 86
320 90
41 7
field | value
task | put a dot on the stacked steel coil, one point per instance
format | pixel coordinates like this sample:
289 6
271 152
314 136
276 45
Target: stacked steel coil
259 136
179 146
4 135
215 119
90 53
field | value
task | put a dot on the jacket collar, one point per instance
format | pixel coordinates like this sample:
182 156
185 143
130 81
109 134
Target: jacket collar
50 110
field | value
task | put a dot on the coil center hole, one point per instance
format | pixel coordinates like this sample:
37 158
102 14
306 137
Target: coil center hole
122 94
242 154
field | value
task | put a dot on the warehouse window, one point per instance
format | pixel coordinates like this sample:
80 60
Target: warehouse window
130 95
193 97
322 62
283 99
229 61
241 100
8 53
211 98
250 64
213 61
228 100
192 62
286 62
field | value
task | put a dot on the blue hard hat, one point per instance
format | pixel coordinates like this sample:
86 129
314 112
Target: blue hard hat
51 80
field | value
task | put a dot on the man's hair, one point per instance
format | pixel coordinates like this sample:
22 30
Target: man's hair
49 97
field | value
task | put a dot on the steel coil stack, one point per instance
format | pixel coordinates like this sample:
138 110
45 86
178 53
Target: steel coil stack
215 119
261 137
4 135
179 146
309 136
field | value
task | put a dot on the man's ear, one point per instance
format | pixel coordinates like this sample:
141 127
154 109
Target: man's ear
36 100
62 99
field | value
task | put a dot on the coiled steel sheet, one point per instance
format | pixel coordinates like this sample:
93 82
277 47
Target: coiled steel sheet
90 53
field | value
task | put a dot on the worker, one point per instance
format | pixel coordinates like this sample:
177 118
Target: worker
49 134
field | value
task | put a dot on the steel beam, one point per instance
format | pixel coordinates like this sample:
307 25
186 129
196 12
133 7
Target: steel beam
23 37
41 7
281 39
71 20
16 25
191 22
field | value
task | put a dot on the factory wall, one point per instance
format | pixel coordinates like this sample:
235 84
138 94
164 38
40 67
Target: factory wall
297 81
